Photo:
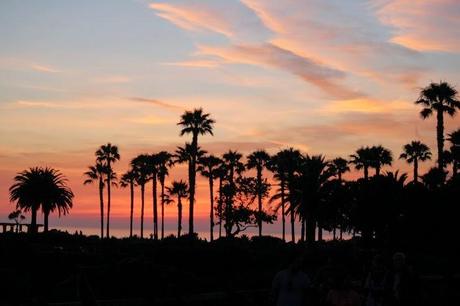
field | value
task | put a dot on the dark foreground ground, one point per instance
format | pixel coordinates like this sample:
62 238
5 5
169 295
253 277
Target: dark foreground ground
62 269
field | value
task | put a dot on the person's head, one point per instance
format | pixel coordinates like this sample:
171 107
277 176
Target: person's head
399 261
296 264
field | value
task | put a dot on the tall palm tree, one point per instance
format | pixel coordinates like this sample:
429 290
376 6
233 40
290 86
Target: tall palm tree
258 160
454 139
196 123
221 173
308 196
41 187
209 168
129 179
362 159
141 168
154 168
285 164
165 161
180 190
339 166
107 155
97 173
413 153
380 157
56 194
439 98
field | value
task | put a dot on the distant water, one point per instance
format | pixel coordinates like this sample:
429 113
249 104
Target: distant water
122 232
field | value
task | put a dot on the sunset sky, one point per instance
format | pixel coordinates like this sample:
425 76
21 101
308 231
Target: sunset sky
324 76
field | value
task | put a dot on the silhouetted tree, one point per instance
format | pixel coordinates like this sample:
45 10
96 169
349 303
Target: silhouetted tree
97 173
362 160
434 179
258 160
107 155
141 168
17 217
180 190
440 98
413 153
338 166
164 162
308 195
196 123
41 187
234 167
154 168
129 179
454 139
380 157
209 168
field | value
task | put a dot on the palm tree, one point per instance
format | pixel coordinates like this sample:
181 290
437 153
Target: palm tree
196 123
141 168
362 160
154 167
97 173
413 153
179 189
440 98
285 164
454 139
164 160
45 187
308 194
380 157
129 179
107 155
209 168
258 160
56 194
338 166
233 166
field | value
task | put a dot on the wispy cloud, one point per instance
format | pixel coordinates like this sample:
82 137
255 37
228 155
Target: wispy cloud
324 77
43 68
159 103
195 64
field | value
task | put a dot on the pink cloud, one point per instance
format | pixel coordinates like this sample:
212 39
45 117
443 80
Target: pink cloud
326 78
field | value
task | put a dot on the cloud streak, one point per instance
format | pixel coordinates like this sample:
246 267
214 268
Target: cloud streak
326 78
158 103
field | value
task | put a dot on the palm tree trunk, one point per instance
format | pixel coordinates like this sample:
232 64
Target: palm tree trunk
101 202
131 212
377 170
162 209
155 207
179 217
440 138
415 170
283 203
192 178
341 233
211 214
45 221
366 173
259 199
107 232
142 209
334 233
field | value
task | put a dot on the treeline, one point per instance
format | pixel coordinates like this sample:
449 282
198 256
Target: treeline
306 189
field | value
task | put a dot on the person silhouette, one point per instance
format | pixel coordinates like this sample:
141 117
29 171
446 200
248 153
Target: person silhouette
290 285
402 283
375 282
